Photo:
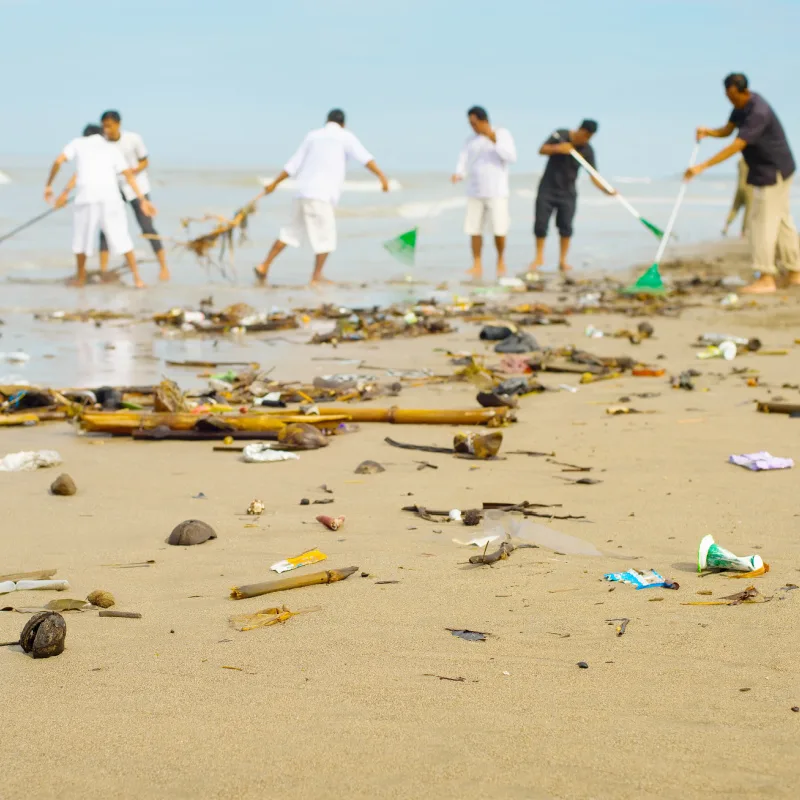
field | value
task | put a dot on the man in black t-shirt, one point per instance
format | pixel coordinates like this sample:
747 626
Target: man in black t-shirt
762 142
557 192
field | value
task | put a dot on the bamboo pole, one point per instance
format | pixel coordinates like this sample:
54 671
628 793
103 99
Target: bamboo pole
779 408
296 582
415 416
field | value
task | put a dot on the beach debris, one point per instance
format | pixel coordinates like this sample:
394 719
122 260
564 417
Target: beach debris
792 409
496 400
331 523
369 468
710 556
191 532
101 598
63 485
44 635
132 564
28 460
478 541
720 338
458 680
472 517
256 508
517 344
298 581
468 635
120 614
503 552
748 595
621 626
424 448
648 372
36 575
263 453
304 559
454 515
33 585
302 436
642 580
581 481
496 333
726 350
266 617
761 461
169 397
66 604
480 446
684 380
583 665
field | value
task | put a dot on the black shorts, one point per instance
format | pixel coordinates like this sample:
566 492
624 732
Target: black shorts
564 205
145 223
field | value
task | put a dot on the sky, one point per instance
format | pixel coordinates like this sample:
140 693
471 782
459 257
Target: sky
238 83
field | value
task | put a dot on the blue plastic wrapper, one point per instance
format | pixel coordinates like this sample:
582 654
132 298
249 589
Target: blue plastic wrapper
641 580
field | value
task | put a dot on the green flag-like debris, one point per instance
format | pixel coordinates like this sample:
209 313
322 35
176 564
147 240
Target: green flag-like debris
403 247
648 283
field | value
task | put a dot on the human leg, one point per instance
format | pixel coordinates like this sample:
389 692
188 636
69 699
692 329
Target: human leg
498 209
289 236
320 227
149 231
565 213
86 223
543 210
764 225
787 244
114 224
103 252
473 226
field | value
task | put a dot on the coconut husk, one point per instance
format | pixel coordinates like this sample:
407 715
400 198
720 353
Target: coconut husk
302 436
169 397
191 532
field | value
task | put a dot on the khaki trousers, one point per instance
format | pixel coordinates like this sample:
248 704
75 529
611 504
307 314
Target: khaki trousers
772 230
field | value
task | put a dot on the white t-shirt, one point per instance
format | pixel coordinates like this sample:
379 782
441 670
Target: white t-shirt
133 150
98 166
320 163
485 164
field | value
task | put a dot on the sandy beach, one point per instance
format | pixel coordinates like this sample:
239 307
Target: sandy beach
371 696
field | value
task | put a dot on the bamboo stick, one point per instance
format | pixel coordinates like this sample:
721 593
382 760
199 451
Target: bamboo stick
36 575
296 582
779 408
9 420
413 416
129 421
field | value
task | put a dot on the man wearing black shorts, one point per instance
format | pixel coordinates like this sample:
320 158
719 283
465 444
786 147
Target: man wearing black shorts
132 149
557 192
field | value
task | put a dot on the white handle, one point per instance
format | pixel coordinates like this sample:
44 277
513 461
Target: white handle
674 215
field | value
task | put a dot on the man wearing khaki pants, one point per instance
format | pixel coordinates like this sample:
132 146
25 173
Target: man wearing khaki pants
762 142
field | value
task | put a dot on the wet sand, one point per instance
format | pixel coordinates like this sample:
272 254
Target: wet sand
343 700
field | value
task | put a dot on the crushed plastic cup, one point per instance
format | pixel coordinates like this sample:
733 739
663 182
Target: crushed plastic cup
711 556
29 460
264 454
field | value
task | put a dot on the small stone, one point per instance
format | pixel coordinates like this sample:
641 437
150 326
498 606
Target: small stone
256 508
583 665
101 598
305 502
63 485
795 708
369 468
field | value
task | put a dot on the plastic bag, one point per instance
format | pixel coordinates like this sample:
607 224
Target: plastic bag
263 453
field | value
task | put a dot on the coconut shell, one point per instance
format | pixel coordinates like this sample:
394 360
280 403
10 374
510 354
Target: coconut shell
472 516
63 485
302 436
191 531
369 468
101 598
44 635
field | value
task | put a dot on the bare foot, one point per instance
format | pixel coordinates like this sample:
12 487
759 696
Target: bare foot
164 275
562 267
139 284
261 274
501 268
535 264
476 271
76 283
763 285
315 283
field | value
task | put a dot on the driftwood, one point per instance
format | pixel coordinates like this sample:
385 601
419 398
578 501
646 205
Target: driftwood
296 582
124 614
423 447
779 408
504 551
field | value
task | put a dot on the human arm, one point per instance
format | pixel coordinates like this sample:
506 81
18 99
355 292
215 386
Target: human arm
376 170
148 209
731 150
504 146
461 166
271 187
140 151
610 191
141 166
556 146
716 133
62 199
48 188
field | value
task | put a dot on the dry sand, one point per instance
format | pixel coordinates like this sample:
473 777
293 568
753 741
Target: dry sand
341 701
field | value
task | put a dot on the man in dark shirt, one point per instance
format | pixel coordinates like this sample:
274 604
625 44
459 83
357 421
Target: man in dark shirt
557 192
762 142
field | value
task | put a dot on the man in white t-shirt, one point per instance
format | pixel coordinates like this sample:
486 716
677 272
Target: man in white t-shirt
484 161
132 148
98 203
318 168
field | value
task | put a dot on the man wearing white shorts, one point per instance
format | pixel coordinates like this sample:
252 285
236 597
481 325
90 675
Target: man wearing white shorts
98 204
484 161
318 168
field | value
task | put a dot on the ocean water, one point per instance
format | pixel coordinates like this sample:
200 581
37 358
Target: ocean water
33 262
